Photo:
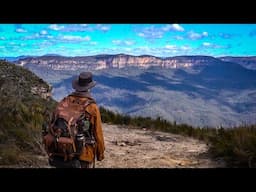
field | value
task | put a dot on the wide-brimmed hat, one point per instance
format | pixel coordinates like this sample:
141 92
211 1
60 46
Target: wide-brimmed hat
83 82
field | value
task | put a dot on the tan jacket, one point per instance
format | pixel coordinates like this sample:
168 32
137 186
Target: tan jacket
89 152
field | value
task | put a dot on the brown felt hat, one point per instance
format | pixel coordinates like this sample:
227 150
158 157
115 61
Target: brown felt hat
83 82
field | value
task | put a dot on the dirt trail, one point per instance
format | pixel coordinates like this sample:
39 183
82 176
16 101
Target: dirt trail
136 148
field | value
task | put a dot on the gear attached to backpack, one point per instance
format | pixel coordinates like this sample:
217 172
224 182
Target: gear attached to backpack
69 130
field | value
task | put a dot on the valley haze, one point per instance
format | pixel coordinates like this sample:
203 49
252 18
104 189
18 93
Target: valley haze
200 91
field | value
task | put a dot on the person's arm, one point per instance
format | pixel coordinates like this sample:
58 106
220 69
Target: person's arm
100 146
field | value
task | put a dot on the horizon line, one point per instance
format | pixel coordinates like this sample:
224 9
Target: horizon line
59 55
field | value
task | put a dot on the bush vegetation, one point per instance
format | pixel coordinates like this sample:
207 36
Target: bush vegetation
237 145
22 113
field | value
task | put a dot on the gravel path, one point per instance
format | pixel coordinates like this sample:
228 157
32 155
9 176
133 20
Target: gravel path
134 148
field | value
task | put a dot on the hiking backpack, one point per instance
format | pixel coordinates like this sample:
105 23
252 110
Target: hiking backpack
69 130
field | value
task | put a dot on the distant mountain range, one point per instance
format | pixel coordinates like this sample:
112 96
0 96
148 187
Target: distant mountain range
248 62
197 90
11 59
97 62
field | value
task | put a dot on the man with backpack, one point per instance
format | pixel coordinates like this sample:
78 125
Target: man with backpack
74 137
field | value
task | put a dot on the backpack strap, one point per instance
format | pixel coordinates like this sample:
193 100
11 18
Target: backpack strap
88 102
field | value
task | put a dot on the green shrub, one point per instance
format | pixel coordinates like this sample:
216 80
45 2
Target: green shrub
10 155
237 145
22 113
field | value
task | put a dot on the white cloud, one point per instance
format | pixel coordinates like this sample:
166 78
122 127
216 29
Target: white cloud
150 33
41 35
179 37
77 27
173 27
171 47
87 38
167 27
2 38
227 35
116 42
20 30
103 28
56 27
123 42
206 44
80 27
166 51
75 38
205 34
129 42
177 27
37 35
194 36
43 32
44 44
141 34
185 48
175 48
153 32
93 43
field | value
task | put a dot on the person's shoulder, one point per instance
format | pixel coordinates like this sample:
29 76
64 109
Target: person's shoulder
93 108
93 104
92 101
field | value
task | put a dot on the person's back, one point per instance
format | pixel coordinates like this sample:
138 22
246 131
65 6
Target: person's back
82 97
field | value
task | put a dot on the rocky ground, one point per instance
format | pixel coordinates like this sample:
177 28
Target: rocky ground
136 148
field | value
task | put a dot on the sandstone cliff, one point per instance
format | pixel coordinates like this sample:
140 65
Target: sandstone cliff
114 61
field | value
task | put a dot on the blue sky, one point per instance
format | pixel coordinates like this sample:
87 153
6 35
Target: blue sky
163 40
